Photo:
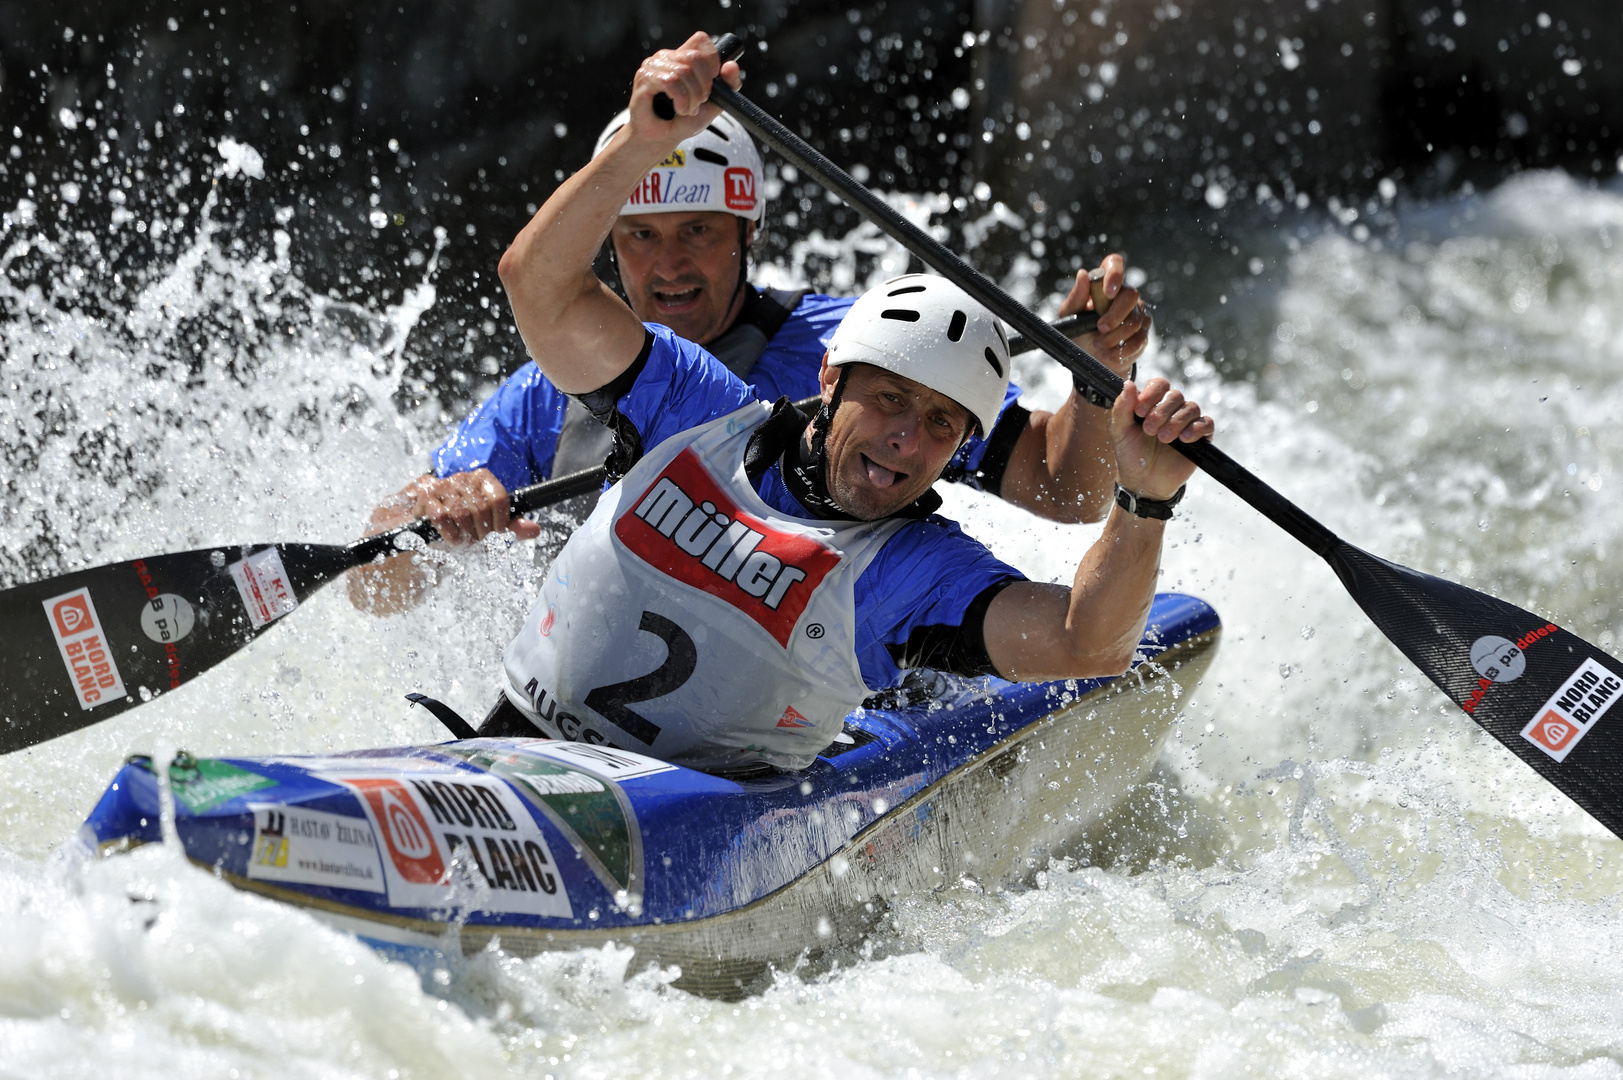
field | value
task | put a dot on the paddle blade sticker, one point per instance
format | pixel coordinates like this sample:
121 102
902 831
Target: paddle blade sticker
1575 707
79 637
263 585
81 647
1540 690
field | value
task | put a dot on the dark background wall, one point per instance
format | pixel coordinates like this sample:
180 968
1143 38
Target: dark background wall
1165 127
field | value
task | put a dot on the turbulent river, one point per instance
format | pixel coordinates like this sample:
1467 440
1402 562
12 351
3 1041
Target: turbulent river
1332 873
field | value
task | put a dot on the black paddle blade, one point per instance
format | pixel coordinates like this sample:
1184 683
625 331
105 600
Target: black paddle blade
1544 692
88 645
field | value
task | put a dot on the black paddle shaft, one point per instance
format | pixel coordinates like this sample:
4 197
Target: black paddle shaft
1541 691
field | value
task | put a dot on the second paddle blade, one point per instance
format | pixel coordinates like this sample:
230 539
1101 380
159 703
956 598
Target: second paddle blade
1544 692
87 645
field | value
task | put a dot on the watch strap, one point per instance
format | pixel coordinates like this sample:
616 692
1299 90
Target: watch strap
1139 506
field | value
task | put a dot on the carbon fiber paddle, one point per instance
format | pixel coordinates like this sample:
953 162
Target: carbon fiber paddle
84 646
1540 690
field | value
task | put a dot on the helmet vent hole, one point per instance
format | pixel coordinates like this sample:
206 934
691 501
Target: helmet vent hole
905 290
717 132
704 154
1001 336
955 329
899 314
991 358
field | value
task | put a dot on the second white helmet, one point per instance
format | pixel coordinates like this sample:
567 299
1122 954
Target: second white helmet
717 169
927 329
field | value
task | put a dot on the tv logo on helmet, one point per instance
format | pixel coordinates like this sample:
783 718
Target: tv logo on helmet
739 187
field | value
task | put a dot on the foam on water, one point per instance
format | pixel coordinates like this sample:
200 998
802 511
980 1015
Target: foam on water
1333 873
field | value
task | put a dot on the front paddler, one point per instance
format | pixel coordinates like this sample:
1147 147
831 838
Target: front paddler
754 575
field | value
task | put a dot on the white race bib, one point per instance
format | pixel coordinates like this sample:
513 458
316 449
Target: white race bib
689 620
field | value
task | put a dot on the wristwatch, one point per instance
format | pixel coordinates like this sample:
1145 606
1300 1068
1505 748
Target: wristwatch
1138 505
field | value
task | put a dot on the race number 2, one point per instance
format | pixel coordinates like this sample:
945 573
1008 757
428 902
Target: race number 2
613 702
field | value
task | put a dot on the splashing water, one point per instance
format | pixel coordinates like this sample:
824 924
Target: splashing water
1332 872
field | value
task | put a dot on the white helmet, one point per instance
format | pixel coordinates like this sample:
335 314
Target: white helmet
929 330
717 169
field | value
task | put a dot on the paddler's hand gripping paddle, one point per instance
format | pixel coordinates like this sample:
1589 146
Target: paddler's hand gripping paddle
1542 691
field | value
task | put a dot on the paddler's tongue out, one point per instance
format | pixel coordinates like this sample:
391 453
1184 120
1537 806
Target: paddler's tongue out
878 475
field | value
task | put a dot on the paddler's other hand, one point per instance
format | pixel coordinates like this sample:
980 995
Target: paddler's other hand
1146 464
1124 321
464 507
684 75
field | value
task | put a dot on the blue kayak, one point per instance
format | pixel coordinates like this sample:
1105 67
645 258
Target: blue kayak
540 844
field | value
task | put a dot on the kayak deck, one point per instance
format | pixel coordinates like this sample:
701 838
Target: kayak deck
539 845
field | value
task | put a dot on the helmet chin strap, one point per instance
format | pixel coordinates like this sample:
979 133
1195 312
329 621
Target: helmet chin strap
809 471
817 464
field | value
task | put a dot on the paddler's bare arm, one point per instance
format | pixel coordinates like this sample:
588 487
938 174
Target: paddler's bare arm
1037 631
1063 467
581 334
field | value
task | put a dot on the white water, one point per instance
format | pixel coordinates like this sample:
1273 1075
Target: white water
1336 876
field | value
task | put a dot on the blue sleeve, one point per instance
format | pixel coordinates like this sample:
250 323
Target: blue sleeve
967 461
918 588
789 365
679 387
514 433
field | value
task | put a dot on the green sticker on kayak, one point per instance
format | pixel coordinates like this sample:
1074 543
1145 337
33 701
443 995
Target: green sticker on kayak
205 783
590 811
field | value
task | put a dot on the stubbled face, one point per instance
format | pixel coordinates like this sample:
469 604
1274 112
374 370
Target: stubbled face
681 270
889 441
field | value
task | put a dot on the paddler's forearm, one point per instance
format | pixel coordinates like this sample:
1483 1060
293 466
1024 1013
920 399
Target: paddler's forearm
1063 467
1036 632
1114 588
578 331
395 585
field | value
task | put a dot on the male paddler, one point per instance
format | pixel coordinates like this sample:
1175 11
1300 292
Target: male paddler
680 247
753 576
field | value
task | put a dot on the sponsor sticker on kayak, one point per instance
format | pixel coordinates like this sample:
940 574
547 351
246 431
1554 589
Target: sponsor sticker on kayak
312 847
591 811
431 822
85 653
611 763
207 783
1573 710
263 585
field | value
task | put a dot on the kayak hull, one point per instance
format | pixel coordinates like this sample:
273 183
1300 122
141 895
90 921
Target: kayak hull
722 878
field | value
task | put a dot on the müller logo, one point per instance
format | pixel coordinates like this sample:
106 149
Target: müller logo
684 526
